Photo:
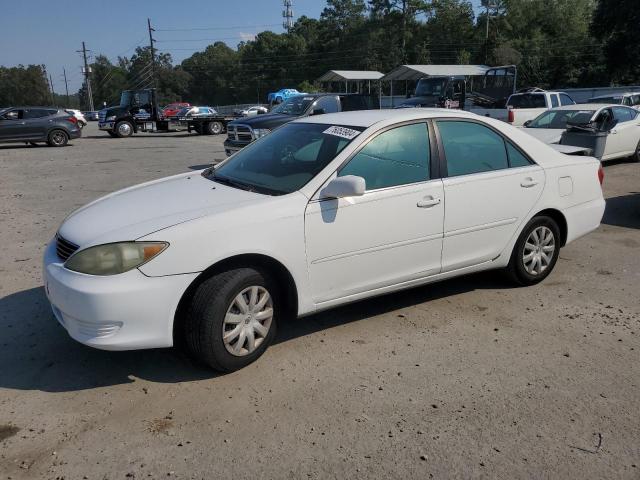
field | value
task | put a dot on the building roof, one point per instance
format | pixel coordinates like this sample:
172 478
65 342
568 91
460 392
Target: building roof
415 72
342 75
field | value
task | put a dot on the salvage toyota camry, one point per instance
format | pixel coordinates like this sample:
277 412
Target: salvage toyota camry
323 211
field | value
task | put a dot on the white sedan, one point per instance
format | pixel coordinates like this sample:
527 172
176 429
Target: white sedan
620 124
326 210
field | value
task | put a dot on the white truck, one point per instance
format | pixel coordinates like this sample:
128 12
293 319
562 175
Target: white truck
527 104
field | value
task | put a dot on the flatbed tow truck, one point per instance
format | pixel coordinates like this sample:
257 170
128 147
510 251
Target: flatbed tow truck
139 112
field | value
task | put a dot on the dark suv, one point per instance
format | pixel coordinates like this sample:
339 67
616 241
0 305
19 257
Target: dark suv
38 124
242 132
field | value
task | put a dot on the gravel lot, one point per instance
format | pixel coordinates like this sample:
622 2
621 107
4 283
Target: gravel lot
468 378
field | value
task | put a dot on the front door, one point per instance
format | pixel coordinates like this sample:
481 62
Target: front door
490 188
623 137
12 125
391 234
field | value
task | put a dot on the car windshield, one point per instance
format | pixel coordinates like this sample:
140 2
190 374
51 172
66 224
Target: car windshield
294 106
605 100
430 87
558 118
527 100
285 160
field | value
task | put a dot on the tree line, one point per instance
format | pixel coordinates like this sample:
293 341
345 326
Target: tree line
562 43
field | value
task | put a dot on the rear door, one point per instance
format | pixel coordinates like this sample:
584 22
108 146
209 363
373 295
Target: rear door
490 188
37 122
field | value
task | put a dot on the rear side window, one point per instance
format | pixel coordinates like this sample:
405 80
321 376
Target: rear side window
622 114
527 100
396 157
566 99
473 148
554 101
635 100
36 113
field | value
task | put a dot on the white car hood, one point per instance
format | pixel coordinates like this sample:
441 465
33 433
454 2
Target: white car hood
143 209
545 135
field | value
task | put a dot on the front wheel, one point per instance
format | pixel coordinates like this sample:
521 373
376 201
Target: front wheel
231 318
57 138
536 251
124 129
636 155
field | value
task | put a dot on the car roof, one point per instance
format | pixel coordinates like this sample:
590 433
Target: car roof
616 95
366 118
585 106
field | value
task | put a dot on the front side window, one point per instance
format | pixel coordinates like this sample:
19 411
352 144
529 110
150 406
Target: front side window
471 148
328 104
286 159
396 157
554 101
295 105
13 115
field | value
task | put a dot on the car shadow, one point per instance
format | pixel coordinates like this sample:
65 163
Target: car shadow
623 211
42 144
37 354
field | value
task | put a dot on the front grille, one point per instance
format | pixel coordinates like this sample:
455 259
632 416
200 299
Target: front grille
64 248
240 133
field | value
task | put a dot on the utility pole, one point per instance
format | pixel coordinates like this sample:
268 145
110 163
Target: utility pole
66 85
53 99
287 14
153 53
47 78
86 72
486 34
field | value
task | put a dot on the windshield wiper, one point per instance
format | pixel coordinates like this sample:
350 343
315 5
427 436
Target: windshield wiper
232 183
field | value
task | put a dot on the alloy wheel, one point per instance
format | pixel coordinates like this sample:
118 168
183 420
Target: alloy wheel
247 321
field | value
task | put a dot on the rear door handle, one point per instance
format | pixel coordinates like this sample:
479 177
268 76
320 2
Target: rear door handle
427 202
528 183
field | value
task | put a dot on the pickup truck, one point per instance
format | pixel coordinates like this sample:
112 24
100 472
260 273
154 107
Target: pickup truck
528 104
243 131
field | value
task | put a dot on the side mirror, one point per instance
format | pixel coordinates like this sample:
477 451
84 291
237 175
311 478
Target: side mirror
527 123
347 186
318 111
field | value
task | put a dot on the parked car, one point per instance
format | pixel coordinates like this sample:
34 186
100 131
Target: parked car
38 124
191 112
243 131
630 99
282 95
173 108
324 211
529 103
620 124
82 121
255 110
91 116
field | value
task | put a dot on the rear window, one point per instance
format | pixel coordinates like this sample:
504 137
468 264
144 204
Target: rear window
527 100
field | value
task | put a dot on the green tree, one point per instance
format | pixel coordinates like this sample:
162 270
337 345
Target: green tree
24 86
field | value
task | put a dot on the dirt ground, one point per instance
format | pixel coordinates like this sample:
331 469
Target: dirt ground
470 378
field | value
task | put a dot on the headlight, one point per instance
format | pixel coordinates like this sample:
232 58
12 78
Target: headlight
110 118
114 258
261 132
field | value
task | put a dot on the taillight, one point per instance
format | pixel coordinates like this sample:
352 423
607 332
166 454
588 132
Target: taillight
600 174
511 116
72 119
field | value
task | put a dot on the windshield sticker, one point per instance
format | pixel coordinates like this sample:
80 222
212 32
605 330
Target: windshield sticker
342 132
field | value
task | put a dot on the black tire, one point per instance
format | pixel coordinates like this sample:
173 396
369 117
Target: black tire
112 134
213 128
57 138
204 318
123 129
524 274
636 155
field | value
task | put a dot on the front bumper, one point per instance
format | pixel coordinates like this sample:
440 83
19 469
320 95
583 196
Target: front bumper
232 147
106 125
119 312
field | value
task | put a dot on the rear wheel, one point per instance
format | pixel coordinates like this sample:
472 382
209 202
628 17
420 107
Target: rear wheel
124 129
213 128
536 251
231 318
636 155
57 138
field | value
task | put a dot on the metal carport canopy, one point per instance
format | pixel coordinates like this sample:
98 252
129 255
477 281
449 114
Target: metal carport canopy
350 75
416 72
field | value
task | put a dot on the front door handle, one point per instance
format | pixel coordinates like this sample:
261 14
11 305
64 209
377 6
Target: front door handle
427 202
528 183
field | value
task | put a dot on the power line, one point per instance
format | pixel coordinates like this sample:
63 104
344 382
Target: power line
200 29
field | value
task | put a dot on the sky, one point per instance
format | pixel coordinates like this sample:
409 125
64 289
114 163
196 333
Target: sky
35 33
